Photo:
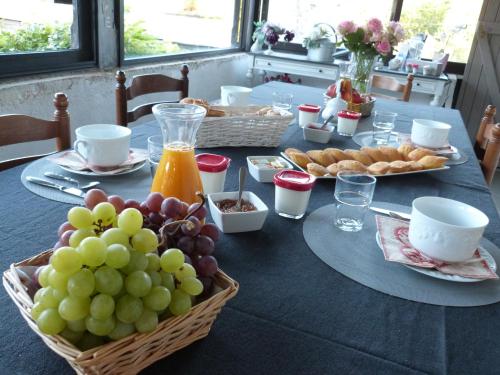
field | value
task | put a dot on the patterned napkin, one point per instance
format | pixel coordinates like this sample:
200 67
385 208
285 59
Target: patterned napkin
70 159
397 248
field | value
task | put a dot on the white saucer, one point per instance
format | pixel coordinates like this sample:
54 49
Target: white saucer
432 272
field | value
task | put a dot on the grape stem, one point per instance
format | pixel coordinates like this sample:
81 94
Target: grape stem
164 230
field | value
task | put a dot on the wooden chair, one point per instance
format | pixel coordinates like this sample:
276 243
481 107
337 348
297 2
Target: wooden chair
487 145
392 84
16 129
146 84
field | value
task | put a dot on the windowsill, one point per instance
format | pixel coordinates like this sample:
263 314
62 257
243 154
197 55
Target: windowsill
68 74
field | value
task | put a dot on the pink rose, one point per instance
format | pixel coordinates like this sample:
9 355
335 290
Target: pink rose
376 37
347 27
383 47
375 26
396 29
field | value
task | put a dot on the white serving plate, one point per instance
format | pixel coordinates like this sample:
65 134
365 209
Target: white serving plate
446 276
382 175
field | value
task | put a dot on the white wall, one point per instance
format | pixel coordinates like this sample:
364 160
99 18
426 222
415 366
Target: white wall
91 93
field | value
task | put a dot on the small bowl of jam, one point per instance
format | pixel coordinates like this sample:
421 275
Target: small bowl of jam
229 219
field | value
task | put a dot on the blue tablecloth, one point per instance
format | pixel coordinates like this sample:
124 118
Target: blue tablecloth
293 314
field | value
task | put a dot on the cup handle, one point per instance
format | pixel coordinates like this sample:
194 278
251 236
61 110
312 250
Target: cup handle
76 145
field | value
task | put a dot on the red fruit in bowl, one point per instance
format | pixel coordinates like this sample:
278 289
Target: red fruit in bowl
331 91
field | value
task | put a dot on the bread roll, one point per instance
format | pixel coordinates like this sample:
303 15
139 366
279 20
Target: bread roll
378 168
404 150
333 169
300 159
399 166
351 165
415 166
431 161
359 156
374 153
326 158
316 169
337 154
290 150
391 153
419 153
315 155
200 102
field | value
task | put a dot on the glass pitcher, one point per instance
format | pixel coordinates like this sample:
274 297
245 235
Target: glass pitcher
177 174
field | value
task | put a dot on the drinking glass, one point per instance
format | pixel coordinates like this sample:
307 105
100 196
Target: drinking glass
353 193
155 152
383 124
282 101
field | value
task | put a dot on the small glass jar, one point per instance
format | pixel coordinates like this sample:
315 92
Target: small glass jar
213 170
347 122
292 192
308 113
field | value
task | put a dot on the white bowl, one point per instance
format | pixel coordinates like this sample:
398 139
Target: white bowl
316 135
446 229
429 133
235 222
263 173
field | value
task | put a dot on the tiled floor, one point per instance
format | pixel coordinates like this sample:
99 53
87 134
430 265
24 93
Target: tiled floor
495 190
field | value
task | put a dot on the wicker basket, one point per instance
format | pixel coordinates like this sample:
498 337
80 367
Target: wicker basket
242 126
135 352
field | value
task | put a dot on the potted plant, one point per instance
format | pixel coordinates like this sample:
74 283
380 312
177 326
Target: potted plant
268 33
319 46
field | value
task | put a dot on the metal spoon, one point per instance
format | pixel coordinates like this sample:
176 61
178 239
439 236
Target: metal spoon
72 180
242 175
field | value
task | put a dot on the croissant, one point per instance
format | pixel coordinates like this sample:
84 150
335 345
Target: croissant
326 158
315 155
405 149
419 153
415 166
374 153
431 161
351 165
378 168
359 156
391 153
300 159
337 154
316 169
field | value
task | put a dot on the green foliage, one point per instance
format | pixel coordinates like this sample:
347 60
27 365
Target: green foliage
36 38
138 42
428 18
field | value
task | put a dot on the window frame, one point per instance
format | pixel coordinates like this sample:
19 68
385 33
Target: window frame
238 35
397 6
27 63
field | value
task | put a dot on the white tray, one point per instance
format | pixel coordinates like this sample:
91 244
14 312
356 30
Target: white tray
381 175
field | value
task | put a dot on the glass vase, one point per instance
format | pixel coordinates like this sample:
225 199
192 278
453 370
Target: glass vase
361 68
269 50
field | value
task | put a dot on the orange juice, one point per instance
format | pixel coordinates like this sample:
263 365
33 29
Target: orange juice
178 175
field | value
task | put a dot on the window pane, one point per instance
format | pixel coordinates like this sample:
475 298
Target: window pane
300 16
449 25
179 26
37 25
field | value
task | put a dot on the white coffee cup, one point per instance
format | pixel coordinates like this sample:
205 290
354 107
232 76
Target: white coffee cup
446 229
235 95
429 133
103 145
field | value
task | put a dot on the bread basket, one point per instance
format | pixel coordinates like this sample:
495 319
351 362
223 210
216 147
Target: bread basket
137 351
243 127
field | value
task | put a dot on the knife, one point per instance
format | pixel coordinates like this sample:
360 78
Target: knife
392 213
64 189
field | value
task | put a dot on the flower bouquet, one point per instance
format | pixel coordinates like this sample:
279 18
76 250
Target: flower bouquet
366 43
269 33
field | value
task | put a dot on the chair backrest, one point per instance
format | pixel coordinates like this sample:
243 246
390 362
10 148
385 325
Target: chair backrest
392 84
16 129
146 84
487 145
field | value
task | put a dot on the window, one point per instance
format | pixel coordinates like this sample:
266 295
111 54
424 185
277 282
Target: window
177 27
449 26
300 16
45 35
